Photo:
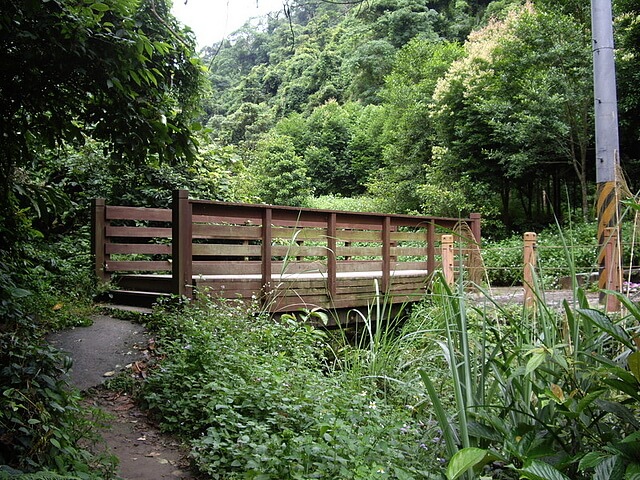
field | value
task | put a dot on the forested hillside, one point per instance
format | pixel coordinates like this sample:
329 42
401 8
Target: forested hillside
442 107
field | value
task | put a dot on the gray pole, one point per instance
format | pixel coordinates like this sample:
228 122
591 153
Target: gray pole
604 87
607 146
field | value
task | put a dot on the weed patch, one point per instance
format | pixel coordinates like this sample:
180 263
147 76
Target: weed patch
258 400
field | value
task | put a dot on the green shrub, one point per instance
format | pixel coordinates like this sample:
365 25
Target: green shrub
504 259
42 420
347 204
43 425
546 394
257 401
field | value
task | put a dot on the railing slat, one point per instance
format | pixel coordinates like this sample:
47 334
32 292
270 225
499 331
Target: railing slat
138 213
138 232
143 248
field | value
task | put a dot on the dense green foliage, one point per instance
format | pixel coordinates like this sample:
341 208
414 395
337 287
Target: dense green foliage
442 107
121 72
72 74
550 394
532 393
260 399
557 252
43 424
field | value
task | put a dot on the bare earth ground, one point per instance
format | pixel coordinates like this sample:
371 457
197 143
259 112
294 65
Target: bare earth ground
515 295
99 352
143 451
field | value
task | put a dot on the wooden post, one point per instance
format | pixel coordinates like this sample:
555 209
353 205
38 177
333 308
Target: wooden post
181 241
98 226
474 245
612 267
529 256
386 254
431 248
332 263
267 219
447 259
476 228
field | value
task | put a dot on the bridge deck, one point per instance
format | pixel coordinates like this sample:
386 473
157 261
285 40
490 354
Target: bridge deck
288 258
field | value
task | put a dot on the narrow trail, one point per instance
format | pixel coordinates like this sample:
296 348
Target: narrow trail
99 352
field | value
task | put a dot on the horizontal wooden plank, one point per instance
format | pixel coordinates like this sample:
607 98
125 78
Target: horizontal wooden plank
409 251
299 234
148 248
359 251
294 283
227 232
293 251
302 267
368 289
226 250
419 236
113 212
137 266
242 267
138 232
206 206
359 265
408 266
358 236
238 267
418 280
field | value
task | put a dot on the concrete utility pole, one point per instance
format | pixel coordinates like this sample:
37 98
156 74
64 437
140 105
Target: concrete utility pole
606 117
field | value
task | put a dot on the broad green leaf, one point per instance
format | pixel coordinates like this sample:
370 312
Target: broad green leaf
633 360
135 77
18 292
100 7
629 446
537 357
619 411
633 472
611 468
588 399
590 460
581 295
537 470
479 430
605 324
465 459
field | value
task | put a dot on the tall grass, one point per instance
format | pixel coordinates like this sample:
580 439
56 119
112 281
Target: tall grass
381 349
539 393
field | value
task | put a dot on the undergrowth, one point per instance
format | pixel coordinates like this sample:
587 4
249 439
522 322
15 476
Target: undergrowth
258 399
45 430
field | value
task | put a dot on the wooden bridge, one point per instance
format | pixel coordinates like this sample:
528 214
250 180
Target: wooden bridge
287 258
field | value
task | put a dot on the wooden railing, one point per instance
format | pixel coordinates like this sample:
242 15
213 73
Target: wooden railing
243 249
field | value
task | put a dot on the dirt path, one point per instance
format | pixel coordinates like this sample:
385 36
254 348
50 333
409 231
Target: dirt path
99 352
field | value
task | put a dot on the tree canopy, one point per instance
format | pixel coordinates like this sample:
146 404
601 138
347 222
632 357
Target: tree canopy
120 71
486 101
